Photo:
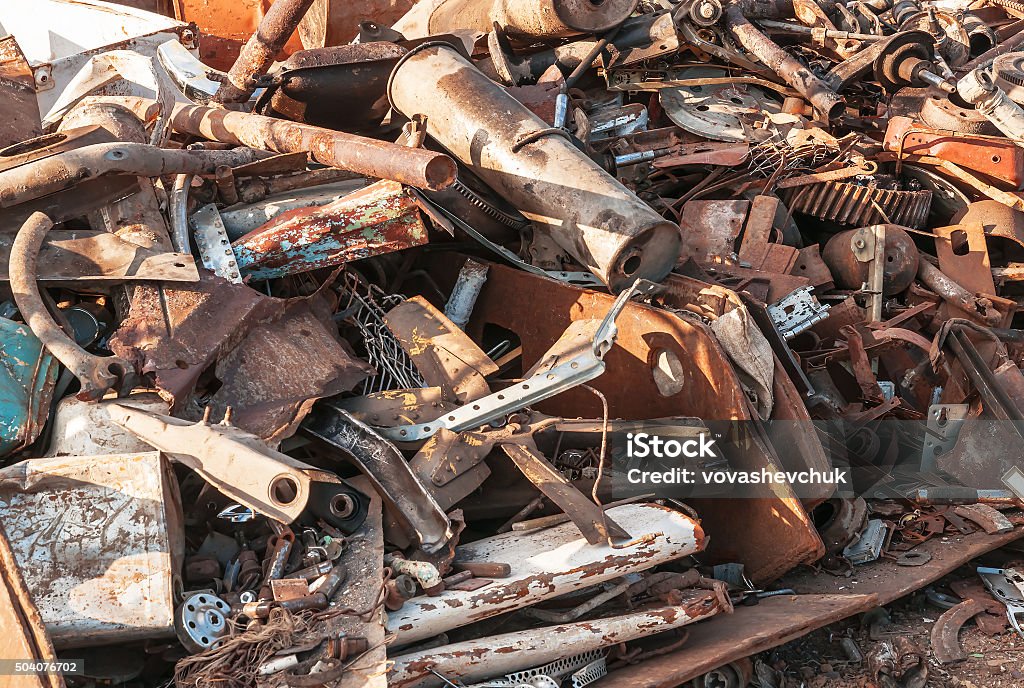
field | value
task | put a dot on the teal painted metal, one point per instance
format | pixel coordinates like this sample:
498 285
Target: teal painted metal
380 218
27 377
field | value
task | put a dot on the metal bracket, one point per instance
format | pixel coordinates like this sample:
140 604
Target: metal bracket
387 469
1007 586
797 311
944 422
545 384
213 243
870 544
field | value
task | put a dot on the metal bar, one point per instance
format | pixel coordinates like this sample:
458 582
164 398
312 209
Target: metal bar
826 101
369 157
258 53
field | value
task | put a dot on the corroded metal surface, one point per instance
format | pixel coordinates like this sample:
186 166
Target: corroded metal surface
98 540
856 205
708 389
378 219
17 84
586 211
545 564
506 653
380 159
24 634
256 56
28 374
176 334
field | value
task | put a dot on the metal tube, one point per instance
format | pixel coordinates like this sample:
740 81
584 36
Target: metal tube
826 101
473 661
559 18
369 157
66 170
940 283
136 218
96 374
258 53
593 217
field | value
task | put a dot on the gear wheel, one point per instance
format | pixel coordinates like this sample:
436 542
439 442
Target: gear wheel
490 208
1009 72
859 205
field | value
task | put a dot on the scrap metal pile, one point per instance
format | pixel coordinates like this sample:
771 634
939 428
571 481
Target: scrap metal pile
320 364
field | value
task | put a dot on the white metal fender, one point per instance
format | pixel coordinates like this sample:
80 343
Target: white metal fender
548 563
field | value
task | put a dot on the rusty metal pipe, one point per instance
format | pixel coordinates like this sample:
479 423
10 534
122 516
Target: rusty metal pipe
526 20
66 170
136 218
594 218
96 374
943 285
369 157
559 18
258 53
826 101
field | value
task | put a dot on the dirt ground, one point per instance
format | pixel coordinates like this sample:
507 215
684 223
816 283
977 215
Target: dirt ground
818 659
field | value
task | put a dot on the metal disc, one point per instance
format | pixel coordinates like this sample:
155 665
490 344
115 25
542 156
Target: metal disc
721 112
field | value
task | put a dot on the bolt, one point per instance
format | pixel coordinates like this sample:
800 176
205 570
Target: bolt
860 243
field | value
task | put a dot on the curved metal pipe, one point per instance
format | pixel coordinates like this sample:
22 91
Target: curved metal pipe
61 172
826 101
96 374
179 213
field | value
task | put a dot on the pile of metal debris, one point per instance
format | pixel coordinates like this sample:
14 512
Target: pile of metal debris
333 332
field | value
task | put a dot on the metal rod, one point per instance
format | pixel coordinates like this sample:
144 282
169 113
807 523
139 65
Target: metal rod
369 157
826 101
258 53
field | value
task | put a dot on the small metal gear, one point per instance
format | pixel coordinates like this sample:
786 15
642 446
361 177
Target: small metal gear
489 208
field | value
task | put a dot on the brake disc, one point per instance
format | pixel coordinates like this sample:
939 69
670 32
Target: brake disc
721 112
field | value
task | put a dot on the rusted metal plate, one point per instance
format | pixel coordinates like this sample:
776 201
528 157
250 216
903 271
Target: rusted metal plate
73 255
993 156
822 599
758 229
710 229
176 334
99 540
271 379
769 535
443 354
18 89
968 265
378 219
545 564
809 265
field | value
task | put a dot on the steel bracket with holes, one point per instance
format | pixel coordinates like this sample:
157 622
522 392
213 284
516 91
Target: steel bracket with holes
586 365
